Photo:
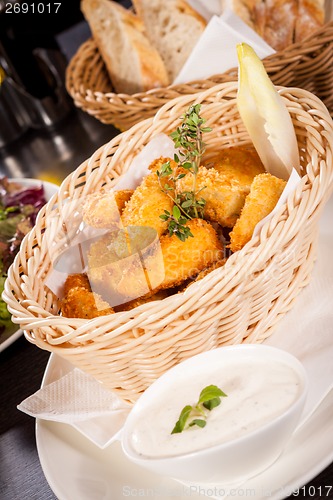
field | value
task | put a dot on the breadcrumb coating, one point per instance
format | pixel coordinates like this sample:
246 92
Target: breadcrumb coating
223 196
266 189
148 201
181 260
103 209
239 163
80 302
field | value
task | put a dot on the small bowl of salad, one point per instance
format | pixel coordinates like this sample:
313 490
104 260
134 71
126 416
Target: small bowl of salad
20 201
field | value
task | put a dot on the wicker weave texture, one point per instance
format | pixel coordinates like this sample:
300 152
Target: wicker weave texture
240 302
308 65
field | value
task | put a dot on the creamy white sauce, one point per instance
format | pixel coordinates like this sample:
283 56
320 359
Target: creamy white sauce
256 392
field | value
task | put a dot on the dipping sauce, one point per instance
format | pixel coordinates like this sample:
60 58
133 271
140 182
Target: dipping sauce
257 391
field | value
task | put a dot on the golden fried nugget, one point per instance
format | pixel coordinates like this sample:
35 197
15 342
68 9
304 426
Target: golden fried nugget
122 196
148 201
79 301
224 197
113 254
103 209
265 191
76 280
239 163
181 260
224 182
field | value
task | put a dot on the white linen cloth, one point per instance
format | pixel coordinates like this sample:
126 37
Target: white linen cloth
306 332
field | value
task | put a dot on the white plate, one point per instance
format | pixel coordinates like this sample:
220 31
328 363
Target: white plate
76 468
9 340
49 190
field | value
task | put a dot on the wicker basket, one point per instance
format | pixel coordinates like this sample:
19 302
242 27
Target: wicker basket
240 302
308 65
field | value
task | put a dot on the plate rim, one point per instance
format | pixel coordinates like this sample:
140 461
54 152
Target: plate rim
42 426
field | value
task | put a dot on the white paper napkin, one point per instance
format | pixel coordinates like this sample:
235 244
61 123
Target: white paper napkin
207 8
215 51
79 400
307 330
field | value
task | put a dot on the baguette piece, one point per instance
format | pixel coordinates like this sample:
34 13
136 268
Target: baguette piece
173 27
281 22
311 16
132 63
251 12
273 20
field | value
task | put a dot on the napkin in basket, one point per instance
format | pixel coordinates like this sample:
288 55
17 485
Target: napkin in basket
215 51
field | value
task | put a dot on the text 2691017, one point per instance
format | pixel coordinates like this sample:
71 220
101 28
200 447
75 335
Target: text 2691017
32 8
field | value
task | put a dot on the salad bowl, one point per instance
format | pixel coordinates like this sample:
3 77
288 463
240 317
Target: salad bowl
30 197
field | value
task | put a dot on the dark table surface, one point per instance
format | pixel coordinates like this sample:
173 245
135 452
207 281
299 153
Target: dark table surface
52 154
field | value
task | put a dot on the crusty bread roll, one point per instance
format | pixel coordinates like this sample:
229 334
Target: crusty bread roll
281 22
247 10
134 65
311 16
280 19
173 27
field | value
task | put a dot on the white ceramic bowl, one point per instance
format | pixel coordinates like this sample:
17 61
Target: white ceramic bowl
232 460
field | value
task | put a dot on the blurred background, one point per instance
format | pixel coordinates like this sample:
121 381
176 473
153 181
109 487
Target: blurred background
42 134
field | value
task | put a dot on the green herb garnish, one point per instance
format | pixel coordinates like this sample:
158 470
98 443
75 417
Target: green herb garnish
187 204
209 398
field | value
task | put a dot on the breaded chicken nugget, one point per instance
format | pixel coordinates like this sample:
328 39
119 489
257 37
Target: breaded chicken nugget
265 191
103 209
80 302
224 182
122 196
148 201
113 254
181 260
224 197
76 280
239 163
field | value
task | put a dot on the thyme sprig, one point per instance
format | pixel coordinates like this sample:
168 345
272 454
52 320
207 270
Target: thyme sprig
187 204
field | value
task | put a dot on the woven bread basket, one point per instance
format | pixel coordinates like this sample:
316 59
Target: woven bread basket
308 65
240 302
